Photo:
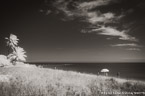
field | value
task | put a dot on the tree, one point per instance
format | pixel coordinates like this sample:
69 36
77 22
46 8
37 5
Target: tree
18 53
12 42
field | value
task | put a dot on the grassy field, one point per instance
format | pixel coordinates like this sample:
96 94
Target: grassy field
34 81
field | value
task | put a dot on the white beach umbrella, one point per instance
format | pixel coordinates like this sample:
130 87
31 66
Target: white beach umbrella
104 70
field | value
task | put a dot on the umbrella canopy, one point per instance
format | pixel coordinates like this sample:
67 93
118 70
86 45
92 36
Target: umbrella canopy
104 70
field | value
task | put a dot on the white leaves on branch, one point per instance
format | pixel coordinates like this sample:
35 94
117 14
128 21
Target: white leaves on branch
18 54
12 40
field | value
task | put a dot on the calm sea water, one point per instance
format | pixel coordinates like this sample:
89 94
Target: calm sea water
126 70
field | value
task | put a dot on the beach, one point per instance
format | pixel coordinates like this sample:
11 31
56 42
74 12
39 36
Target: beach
126 70
30 80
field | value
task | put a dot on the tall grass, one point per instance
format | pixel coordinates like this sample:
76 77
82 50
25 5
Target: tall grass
34 81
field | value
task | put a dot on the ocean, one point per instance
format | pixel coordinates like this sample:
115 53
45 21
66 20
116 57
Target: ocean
126 70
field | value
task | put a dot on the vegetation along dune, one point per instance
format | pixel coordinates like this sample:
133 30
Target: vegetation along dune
33 81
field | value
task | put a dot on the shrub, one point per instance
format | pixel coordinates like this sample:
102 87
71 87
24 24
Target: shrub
4 61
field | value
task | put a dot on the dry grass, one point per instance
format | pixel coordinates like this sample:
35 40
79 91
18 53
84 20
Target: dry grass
34 81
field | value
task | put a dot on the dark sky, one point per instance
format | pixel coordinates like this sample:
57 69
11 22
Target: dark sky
76 30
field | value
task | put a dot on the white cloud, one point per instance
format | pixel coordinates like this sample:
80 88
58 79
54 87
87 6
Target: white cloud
109 15
93 4
126 45
96 17
89 12
48 12
129 46
110 31
133 49
82 9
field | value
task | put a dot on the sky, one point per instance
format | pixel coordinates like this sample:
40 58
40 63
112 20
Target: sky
76 30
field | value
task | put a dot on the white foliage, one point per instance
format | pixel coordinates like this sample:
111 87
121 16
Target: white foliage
12 40
18 54
4 61
5 78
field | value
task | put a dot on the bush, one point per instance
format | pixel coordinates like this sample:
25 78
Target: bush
4 61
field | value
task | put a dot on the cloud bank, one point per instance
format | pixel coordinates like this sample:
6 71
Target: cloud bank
103 22
133 49
127 45
110 31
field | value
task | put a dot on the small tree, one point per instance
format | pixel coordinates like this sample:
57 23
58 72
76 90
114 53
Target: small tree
12 41
18 53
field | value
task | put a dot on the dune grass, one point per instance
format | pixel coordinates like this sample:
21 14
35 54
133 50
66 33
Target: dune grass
34 81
